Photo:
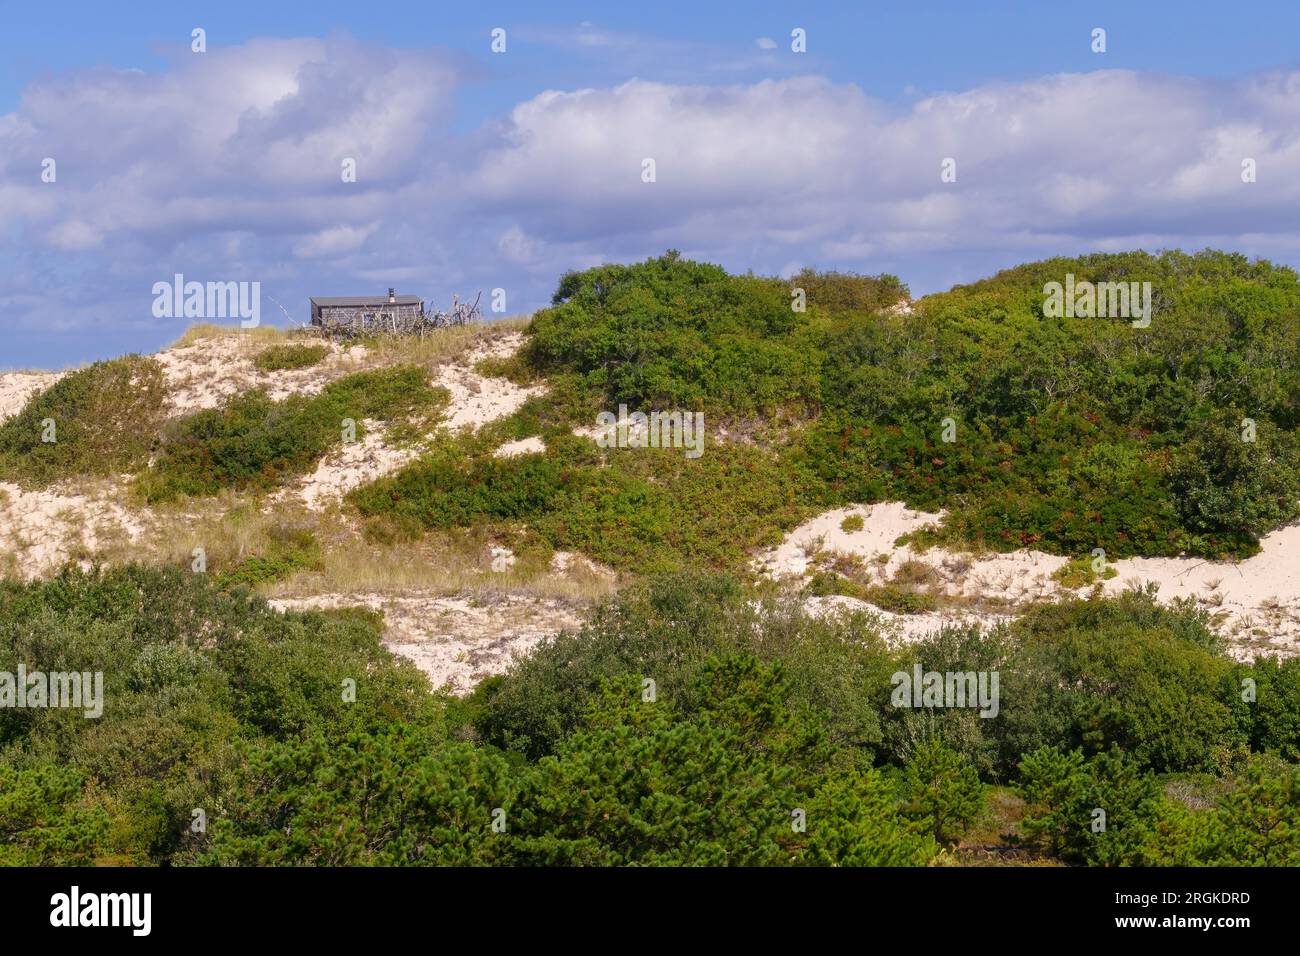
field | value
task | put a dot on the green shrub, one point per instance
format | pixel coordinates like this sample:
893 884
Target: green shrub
668 628
836 292
399 797
1131 673
1275 713
1079 572
624 509
275 358
512 367
826 583
901 600
669 333
44 820
104 420
716 787
189 673
944 793
1099 812
1255 823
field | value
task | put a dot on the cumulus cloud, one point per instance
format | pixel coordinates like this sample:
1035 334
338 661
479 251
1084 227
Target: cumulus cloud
1098 157
227 165
242 137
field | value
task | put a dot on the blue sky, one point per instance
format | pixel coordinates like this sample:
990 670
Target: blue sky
481 170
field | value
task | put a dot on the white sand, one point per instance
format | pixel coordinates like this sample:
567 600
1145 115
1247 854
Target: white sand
349 466
477 400
42 530
1259 597
207 372
456 641
524 446
18 388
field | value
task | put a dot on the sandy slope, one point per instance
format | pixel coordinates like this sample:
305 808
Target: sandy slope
475 401
207 372
42 530
1259 597
17 388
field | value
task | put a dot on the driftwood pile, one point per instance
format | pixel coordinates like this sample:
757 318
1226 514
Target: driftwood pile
400 321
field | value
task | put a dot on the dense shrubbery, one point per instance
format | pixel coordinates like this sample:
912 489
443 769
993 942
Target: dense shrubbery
254 442
1256 822
104 416
1077 433
674 334
1070 433
192 675
648 511
766 737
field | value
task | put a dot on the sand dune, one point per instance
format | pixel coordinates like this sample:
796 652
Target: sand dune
1258 598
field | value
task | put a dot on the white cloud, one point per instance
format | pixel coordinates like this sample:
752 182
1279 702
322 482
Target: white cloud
765 43
804 161
251 136
228 164
333 241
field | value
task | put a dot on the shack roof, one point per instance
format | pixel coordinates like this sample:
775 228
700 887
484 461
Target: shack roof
360 301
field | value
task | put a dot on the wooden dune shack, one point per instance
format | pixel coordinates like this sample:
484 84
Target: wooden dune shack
347 317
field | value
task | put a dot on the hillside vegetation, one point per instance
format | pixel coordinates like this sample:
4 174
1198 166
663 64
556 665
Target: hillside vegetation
684 724
252 442
700 715
97 421
1068 434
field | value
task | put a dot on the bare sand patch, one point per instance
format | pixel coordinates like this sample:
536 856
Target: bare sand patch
212 369
460 640
1258 598
348 466
477 399
40 531
18 388
524 446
